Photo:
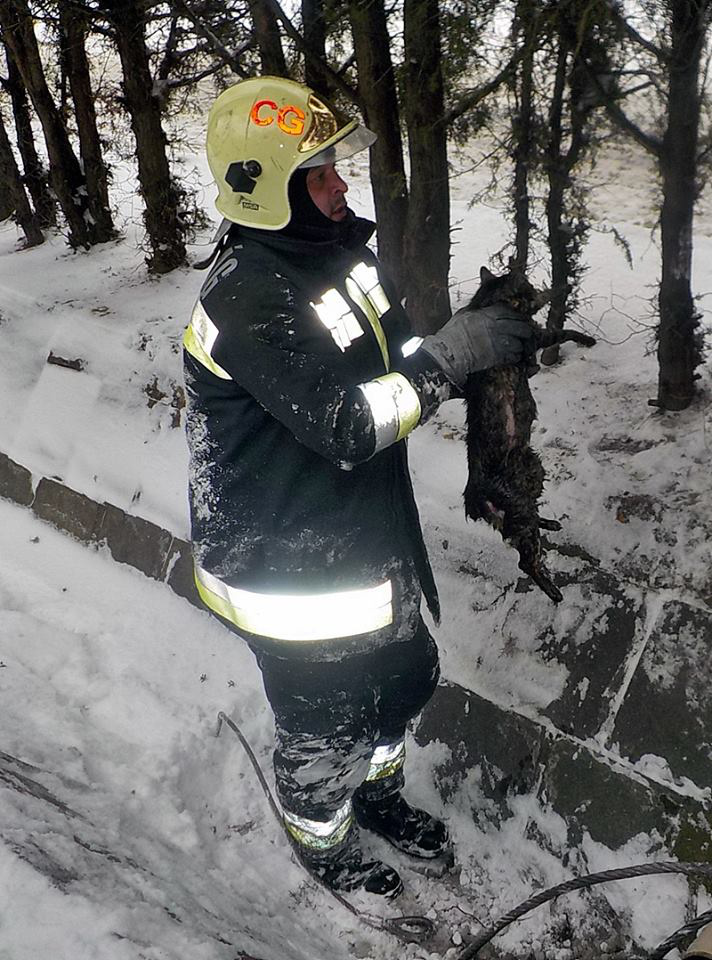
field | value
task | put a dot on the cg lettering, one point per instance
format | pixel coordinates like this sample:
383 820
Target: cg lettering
290 119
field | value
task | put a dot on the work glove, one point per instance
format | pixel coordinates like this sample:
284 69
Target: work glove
473 340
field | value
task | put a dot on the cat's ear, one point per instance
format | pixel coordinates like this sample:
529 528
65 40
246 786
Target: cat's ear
486 275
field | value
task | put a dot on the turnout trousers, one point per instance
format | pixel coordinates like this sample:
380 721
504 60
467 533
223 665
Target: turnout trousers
342 721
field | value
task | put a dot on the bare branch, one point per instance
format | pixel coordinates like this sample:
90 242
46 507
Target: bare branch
193 78
333 76
648 141
473 97
169 53
704 155
230 57
641 86
348 62
659 52
610 102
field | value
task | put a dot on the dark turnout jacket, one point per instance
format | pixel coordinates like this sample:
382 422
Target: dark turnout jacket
300 495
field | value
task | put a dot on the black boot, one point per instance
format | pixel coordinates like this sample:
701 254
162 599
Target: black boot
342 868
383 810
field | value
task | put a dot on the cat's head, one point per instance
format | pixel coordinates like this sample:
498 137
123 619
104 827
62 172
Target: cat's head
511 288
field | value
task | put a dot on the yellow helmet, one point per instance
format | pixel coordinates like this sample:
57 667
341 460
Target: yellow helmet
259 131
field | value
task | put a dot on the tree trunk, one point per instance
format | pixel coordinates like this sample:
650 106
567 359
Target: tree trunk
679 344
35 176
77 66
314 29
523 133
269 41
12 183
160 194
557 177
7 203
65 173
427 241
566 231
377 89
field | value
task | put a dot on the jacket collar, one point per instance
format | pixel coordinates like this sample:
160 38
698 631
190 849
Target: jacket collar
356 232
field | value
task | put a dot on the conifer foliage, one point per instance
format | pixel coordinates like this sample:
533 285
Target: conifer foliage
549 78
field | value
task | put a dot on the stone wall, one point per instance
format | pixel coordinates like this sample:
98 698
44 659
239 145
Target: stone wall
131 540
655 667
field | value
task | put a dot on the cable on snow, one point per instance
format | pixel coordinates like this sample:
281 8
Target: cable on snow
416 929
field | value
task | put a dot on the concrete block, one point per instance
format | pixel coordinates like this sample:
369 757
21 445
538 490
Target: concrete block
136 541
180 572
667 710
506 746
516 755
72 512
607 802
15 482
595 654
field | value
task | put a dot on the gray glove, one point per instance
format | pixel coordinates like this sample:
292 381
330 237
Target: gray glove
473 340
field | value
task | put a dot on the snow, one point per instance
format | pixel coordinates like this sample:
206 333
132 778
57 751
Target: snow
130 830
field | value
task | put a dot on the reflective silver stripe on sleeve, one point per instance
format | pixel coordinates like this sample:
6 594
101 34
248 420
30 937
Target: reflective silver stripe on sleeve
394 405
299 617
410 346
320 834
386 760
384 412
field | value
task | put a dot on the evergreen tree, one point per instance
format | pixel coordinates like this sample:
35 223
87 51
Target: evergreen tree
66 175
670 52
161 195
34 172
13 198
73 30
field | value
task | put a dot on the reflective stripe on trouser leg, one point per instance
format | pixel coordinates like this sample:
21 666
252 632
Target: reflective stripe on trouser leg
320 834
386 761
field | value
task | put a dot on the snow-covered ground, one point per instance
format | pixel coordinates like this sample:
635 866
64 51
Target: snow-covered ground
128 830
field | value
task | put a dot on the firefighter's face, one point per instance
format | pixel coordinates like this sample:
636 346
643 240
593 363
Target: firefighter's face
328 191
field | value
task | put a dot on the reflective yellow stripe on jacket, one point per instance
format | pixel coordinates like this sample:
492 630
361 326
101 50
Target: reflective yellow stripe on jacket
199 339
299 617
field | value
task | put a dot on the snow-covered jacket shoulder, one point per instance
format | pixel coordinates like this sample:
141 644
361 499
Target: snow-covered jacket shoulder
278 322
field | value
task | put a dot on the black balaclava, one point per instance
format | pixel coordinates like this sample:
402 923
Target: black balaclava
307 222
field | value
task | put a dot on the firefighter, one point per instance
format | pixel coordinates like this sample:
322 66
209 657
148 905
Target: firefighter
303 380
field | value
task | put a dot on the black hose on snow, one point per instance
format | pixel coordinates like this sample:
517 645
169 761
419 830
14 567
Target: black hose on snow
591 880
417 929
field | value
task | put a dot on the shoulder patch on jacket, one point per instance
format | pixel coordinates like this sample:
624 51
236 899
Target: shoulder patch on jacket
223 269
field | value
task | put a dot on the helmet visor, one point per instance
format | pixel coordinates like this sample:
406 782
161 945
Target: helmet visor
360 138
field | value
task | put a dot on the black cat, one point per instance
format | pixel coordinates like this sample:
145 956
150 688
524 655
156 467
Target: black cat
506 476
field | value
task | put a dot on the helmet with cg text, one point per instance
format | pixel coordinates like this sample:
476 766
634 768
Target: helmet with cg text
259 131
